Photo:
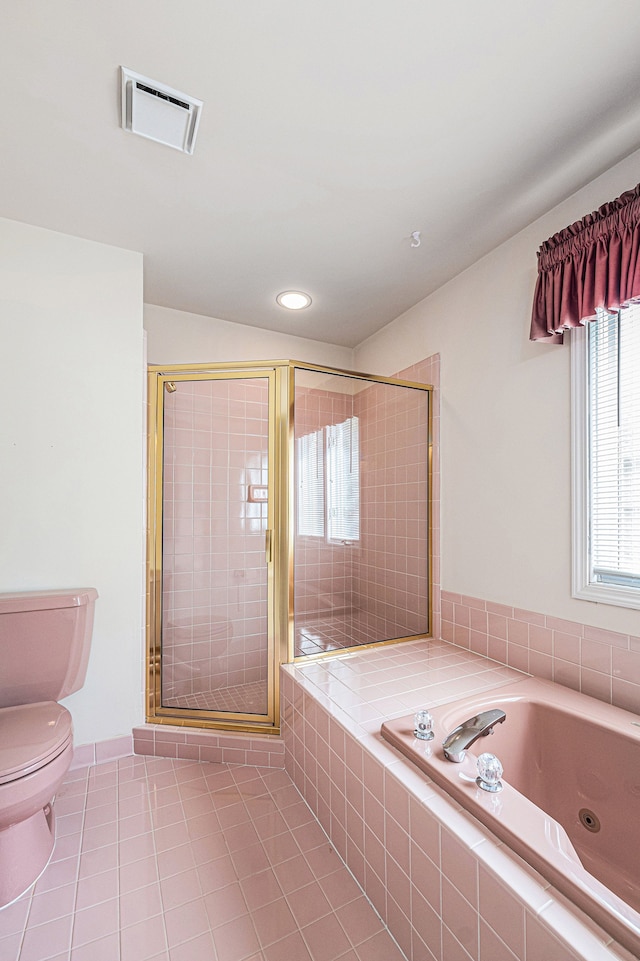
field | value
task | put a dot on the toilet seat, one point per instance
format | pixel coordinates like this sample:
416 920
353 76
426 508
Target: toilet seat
32 735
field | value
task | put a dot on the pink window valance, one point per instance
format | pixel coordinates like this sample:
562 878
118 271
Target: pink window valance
592 263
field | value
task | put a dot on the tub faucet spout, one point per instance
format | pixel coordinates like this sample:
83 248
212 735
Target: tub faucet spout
464 735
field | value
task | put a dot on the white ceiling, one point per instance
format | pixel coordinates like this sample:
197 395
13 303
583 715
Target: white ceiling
331 130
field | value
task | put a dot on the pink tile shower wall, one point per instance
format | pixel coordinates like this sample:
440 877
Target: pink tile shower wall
427 371
390 587
323 571
602 664
214 627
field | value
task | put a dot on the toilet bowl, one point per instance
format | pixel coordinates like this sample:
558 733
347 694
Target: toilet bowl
44 647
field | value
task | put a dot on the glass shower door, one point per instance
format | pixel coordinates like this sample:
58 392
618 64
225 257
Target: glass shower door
216 624
361 524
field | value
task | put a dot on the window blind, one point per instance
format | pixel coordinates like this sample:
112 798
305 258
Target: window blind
614 463
328 482
343 473
310 450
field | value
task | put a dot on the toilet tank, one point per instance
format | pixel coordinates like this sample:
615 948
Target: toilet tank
45 637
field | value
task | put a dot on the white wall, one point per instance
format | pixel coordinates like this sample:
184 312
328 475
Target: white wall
71 511
506 469
177 337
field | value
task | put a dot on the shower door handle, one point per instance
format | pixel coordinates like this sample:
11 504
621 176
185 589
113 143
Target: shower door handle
267 545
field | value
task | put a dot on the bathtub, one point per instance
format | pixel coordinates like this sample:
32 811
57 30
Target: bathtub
571 790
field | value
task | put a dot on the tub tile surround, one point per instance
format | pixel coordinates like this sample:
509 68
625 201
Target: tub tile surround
600 663
446 888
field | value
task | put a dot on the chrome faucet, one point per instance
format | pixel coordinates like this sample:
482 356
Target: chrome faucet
463 736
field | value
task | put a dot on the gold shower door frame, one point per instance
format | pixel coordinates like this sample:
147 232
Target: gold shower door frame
279 541
158 711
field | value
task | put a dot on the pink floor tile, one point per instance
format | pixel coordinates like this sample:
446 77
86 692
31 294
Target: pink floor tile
250 860
225 905
294 873
214 871
273 922
142 941
260 889
309 903
235 940
288 949
57 874
326 939
240 836
100 836
98 860
10 947
323 861
179 888
359 921
46 940
103 949
14 917
381 947
340 888
209 846
53 904
186 922
138 874
198 949
280 848
143 904
217 874
170 836
175 860
269 825
96 922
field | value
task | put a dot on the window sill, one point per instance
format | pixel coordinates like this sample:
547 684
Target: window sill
607 594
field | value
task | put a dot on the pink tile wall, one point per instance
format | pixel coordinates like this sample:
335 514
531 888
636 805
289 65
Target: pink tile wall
390 573
214 598
195 744
602 664
427 371
99 752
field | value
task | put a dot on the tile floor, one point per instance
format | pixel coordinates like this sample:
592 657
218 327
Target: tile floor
170 860
251 697
317 635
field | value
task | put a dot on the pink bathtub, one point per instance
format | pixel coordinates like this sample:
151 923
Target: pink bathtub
571 798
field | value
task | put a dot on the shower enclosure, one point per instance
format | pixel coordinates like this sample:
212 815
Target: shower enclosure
288 517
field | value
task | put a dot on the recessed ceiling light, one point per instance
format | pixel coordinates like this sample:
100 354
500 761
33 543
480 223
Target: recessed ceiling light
293 299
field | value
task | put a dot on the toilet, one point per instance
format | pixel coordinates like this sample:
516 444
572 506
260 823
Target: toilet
45 638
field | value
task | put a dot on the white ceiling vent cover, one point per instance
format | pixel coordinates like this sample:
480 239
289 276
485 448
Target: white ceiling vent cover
158 112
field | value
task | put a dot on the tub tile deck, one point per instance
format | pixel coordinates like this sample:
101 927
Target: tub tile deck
332 710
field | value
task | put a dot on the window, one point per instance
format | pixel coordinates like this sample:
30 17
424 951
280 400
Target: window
328 481
606 458
343 481
310 467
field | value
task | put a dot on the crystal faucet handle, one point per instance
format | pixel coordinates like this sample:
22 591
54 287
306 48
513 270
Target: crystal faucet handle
423 725
489 773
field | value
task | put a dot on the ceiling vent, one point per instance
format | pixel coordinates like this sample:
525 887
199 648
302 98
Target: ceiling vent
158 112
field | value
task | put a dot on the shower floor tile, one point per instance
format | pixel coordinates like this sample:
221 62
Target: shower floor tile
316 635
242 698
136 877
